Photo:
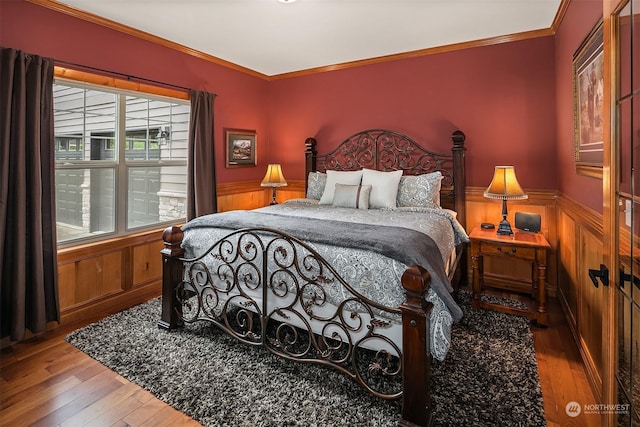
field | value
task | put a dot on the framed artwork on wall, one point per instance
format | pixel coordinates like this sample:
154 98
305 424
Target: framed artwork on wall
588 103
240 147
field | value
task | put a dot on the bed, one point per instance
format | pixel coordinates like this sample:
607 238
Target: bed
358 275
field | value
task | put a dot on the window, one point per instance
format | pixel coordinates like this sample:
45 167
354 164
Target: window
121 160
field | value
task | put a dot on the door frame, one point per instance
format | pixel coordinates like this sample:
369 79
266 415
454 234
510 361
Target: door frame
610 189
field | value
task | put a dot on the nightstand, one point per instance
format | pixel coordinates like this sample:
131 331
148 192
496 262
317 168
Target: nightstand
527 247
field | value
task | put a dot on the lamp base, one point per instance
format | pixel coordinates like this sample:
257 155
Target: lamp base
273 196
504 228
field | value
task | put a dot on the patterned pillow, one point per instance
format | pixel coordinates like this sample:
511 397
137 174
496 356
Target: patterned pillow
420 190
315 185
352 196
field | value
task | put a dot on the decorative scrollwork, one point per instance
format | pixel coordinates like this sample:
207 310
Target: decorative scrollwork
381 363
386 151
265 287
379 323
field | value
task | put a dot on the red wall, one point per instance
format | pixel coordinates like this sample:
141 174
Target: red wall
240 101
502 97
581 16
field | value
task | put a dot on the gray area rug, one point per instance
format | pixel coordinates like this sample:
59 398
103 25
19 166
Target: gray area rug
489 378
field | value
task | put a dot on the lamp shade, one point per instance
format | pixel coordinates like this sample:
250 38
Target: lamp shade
504 185
273 177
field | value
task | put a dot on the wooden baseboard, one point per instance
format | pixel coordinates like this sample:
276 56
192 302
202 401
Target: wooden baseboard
110 304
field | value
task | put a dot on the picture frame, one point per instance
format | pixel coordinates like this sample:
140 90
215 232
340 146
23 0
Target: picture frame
241 147
588 103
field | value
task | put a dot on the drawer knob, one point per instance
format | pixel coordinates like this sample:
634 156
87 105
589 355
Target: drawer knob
513 250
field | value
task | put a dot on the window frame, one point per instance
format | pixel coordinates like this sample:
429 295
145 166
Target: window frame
120 164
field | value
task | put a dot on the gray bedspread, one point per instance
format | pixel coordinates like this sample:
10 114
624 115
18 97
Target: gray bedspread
374 275
401 244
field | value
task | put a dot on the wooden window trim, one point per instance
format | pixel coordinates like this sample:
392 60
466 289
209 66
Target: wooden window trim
129 85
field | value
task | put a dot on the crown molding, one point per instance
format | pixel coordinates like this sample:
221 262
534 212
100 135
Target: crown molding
90 17
86 16
562 11
421 52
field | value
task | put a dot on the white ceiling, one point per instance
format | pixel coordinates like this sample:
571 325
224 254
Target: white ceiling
273 38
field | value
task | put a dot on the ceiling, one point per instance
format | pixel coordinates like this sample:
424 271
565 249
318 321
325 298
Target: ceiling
273 38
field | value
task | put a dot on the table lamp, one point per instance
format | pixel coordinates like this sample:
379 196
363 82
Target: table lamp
504 186
273 178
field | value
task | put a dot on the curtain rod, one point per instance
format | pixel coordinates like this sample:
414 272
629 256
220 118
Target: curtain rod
129 77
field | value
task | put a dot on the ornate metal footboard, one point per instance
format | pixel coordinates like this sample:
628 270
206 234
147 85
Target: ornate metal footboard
268 288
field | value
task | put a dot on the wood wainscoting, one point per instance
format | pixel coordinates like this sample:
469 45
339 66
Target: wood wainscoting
580 238
250 195
109 276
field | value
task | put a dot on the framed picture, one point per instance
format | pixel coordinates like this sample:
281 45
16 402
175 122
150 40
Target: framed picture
241 147
588 103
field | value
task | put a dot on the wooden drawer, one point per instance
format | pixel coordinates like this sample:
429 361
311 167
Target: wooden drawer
505 257
490 248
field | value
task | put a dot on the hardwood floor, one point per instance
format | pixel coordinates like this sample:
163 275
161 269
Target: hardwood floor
48 382
562 374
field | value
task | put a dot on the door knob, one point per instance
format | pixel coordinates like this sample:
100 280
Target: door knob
602 274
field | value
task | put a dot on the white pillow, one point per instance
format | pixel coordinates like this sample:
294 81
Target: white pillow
384 187
352 196
338 177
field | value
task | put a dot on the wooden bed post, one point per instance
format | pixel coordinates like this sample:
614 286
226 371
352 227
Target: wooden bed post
416 356
459 183
460 188
171 276
310 159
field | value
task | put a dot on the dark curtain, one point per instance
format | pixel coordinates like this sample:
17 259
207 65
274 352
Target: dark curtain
201 166
28 261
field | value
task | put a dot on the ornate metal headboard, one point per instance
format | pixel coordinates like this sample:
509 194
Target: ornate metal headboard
386 150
